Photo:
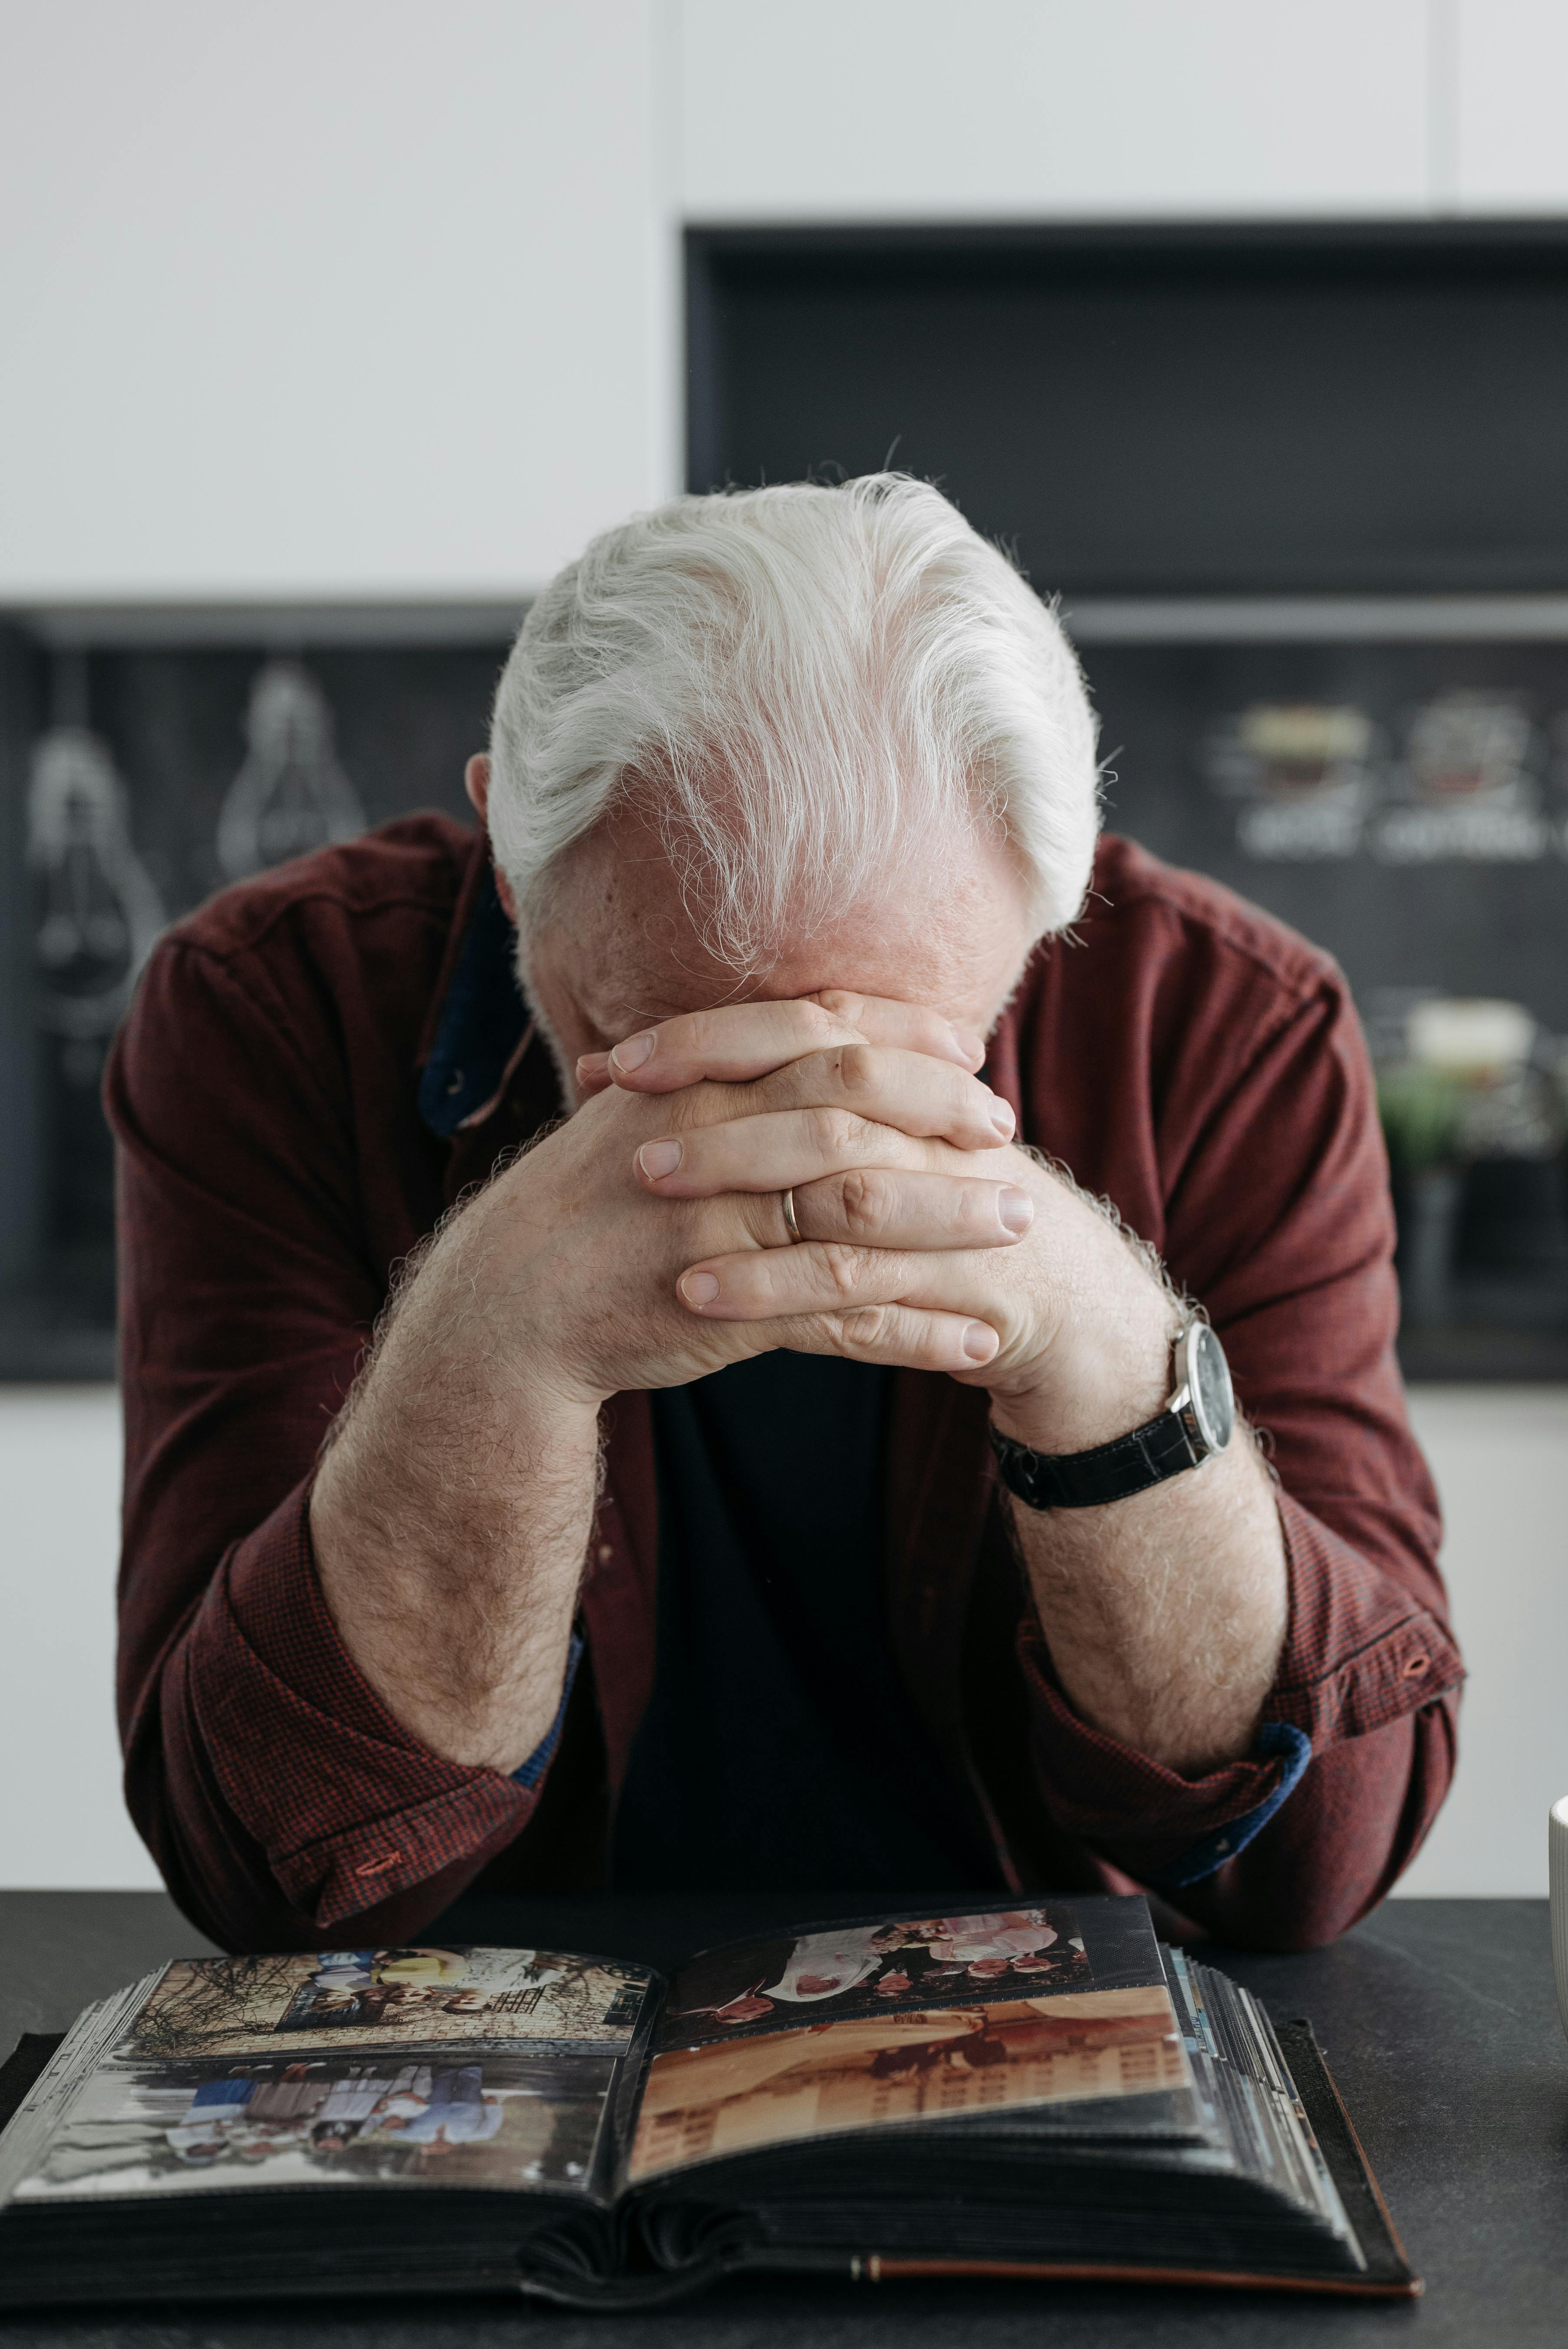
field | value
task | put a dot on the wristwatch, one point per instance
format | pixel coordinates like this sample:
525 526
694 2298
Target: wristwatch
1195 1424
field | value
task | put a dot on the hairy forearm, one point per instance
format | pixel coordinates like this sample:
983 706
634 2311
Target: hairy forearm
451 1513
1165 1613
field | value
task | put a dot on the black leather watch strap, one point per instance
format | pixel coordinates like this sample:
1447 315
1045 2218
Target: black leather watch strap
1081 1480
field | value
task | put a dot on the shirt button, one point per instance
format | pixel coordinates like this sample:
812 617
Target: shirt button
1417 1666
455 1083
605 1553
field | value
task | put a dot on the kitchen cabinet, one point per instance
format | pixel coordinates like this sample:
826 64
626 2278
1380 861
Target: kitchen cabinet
916 110
312 302
1509 65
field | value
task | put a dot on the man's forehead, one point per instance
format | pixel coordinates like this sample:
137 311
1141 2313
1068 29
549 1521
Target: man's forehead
628 986
949 938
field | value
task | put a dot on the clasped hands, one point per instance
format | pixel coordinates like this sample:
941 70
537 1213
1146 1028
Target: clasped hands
927 1239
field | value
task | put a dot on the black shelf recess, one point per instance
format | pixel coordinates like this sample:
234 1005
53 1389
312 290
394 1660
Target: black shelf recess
1331 408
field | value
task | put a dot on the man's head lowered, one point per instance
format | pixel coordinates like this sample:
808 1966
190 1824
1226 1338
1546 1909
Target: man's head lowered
769 743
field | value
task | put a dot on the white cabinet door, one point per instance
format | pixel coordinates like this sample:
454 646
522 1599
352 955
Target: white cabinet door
323 297
921 110
1510 65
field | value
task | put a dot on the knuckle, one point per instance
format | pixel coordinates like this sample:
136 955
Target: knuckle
865 1203
817 1022
865 1326
680 1112
857 1070
697 1032
830 1130
842 1267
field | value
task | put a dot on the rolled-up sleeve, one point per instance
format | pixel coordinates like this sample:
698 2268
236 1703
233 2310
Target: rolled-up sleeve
257 1230
1352 1758
1263 1184
262 1704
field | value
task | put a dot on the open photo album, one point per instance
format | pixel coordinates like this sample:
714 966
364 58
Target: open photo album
1039 2091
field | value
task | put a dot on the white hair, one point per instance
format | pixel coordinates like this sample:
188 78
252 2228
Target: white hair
808 688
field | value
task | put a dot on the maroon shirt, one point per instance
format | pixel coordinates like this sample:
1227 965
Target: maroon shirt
318 1062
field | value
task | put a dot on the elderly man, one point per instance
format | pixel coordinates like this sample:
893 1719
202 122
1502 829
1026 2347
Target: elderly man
681 1341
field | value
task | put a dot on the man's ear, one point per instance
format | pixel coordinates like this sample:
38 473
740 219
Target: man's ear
475 782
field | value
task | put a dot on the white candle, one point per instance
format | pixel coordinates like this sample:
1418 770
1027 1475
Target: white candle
1557 1862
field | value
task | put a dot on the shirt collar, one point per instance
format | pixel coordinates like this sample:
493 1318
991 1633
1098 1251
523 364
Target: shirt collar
480 1024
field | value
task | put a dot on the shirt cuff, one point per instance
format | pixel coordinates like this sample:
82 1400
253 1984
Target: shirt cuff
1361 1652
1209 1855
346 1806
1159 1826
543 1754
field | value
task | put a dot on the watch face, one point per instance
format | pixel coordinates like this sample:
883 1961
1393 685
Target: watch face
1213 1401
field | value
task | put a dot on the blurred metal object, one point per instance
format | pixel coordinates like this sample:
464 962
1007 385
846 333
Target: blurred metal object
98 911
1470 785
1470 746
1473 1036
1305 772
289 796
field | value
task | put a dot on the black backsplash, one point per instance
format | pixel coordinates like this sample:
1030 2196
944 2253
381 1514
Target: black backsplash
404 721
400 720
1455 926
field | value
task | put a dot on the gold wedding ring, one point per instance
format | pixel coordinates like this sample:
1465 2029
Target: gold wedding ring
786 1201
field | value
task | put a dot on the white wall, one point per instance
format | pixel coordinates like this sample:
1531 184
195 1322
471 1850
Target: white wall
1500 1456
62 1822
326 297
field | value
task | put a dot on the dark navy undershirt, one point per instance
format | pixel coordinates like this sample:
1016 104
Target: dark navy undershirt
780 1750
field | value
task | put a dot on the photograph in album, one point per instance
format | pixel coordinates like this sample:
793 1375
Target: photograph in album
339 1998
702 2103
865 1970
495 2120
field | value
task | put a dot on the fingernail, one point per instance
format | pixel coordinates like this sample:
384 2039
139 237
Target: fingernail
969 1042
980 1342
1002 1117
1016 1209
699 1288
634 1052
658 1158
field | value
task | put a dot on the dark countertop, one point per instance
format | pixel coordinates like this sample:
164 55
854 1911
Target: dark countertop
1440 2025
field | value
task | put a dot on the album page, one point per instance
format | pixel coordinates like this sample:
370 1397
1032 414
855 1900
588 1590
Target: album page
899 2020
508 2069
